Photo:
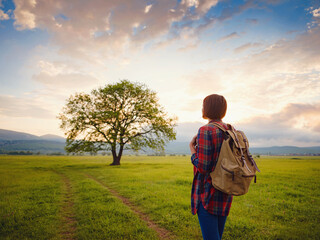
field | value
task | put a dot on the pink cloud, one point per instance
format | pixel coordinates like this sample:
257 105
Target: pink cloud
296 124
81 27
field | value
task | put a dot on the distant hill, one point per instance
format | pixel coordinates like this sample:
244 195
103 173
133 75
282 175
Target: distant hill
285 150
52 137
12 141
183 148
49 143
13 135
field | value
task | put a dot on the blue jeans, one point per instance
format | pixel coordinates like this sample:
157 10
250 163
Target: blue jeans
211 225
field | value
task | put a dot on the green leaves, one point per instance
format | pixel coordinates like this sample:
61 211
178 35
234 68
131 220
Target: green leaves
124 113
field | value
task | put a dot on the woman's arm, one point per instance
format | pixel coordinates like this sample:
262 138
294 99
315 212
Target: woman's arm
202 156
193 144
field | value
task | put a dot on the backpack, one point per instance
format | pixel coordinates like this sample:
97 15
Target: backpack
235 167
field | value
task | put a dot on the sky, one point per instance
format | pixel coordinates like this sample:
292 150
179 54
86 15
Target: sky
262 56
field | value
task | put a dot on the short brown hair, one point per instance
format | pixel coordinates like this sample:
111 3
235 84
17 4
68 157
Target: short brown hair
214 107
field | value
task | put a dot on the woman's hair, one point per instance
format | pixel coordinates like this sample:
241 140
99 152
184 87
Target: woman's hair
214 107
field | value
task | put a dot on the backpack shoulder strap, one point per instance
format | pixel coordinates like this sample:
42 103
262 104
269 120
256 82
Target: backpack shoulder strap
248 153
224 131
219 126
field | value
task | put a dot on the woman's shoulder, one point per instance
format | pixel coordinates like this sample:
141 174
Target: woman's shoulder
210 127
206 127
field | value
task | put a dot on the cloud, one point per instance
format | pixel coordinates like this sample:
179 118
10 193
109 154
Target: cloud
147 8
109 26
23 107
59 75
287 71
315 12
229 36
300 55
247 46
299 115
97 31
226 14
296 124
24 15
316 128
3 15
204 6
108 29
263 82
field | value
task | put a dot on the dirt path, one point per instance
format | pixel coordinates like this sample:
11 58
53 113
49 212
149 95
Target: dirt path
162 232
68 223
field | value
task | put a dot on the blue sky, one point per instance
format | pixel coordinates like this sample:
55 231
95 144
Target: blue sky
263 56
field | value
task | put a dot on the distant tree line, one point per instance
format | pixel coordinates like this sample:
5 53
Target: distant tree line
29 153
16 152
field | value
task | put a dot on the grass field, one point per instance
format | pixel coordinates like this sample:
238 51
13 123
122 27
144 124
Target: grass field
47 197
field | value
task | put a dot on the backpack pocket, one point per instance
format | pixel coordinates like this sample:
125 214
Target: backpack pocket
236 182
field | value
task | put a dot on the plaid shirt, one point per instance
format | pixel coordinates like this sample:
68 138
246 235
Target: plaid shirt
209 143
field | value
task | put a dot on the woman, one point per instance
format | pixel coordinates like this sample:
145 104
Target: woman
211 205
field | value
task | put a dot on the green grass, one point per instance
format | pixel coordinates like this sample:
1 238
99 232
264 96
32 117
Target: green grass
283 204
29 202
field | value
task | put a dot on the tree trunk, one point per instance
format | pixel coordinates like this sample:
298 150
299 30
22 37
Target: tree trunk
116 161
116 158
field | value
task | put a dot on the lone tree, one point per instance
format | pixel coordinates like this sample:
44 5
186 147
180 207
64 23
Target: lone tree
116 117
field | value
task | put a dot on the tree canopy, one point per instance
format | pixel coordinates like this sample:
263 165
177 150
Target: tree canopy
119 116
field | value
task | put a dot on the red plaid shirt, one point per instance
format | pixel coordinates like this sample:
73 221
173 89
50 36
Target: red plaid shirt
209 142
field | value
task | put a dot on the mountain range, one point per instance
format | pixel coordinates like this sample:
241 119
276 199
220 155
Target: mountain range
19 141
13 135
15 142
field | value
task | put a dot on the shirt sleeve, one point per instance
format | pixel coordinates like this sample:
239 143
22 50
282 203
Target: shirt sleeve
203 158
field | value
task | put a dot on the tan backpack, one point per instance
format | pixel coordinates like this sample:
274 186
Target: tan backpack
236 167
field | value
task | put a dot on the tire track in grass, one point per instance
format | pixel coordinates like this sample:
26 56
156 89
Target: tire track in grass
68 222
162 232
